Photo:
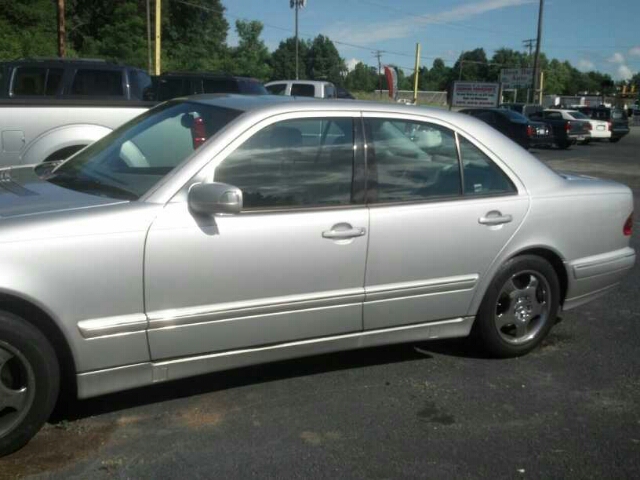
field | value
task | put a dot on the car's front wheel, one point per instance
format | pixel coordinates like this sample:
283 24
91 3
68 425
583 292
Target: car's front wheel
29 381
519 307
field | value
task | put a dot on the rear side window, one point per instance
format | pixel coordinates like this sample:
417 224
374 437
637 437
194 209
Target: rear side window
302 90
410 161
95 82
140 84
169 88
220 85
29 81
481 175
294 163
329 91
277 89
553 115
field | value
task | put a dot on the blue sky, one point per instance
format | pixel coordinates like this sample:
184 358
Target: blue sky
591 34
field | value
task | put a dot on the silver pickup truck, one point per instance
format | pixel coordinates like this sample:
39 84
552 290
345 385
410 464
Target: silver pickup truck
51 108
37 132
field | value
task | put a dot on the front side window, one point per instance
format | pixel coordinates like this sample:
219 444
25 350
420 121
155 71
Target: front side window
95 82
302 90
294 163
277 89
29 81
410 161
129 161
481 175
329 91
220 85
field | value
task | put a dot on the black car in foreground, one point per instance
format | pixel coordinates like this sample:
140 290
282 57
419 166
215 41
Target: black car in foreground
526 132
617 118
181 84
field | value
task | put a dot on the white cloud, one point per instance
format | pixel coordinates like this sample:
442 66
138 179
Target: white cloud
586 65
351 64
616 58
635 51
404 27
624 72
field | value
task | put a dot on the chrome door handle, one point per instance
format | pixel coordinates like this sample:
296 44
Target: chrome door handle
495 218
334 234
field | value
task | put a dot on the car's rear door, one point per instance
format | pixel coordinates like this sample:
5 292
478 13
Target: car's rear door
289 267
434 229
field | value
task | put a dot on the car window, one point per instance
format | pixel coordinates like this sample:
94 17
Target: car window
536 116
252 87
577 115
553 115
329 91
512 115
140 84
169 88
294 163
302 90
410 161
485 115
277 89
481 175
131 159
220 85
97 82
36 81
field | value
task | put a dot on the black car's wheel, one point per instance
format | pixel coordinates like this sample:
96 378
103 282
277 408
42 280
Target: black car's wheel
615 140
519 307
585 142
29 381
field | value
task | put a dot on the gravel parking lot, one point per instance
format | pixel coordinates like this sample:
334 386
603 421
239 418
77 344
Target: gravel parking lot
570 409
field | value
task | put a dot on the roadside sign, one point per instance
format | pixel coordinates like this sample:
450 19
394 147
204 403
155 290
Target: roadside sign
512 78
475 94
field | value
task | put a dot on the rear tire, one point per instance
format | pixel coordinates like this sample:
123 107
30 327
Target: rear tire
519 307
29 381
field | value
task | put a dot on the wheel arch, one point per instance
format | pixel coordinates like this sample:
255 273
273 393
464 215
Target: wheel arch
40 319
52 141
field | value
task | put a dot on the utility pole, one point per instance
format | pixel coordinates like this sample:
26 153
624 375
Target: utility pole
150 65
297 5
378 54
158 34
61 30
536 61
528 43
416 72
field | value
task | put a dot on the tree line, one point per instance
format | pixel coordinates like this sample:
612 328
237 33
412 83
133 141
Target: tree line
194 37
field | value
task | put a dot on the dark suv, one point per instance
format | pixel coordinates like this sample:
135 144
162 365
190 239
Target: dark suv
182 84
79 79
617 118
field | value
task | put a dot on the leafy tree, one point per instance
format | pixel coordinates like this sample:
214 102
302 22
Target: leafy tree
474 66
283 59
362 78
27 28
323 61
251 56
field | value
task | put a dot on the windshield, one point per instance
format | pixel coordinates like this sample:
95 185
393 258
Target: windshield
577 115
518 117
129 161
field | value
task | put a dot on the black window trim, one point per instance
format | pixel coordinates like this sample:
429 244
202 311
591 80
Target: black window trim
44 96
443 198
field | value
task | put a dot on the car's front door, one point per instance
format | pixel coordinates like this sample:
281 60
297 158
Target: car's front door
289 267
435 228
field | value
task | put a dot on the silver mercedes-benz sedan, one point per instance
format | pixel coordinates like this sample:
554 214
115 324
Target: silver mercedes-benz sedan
219 231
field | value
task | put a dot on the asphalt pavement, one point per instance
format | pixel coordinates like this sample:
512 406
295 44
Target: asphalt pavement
570 409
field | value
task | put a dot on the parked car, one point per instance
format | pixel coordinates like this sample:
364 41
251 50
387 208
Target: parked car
526 132
215 232
51 108
302 88
341 92
598 129
617 117
181 84
565 132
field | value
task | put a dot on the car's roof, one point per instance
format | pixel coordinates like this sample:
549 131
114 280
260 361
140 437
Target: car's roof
304 82
204 75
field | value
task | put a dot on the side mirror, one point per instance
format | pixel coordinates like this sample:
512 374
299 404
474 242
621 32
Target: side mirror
212 198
